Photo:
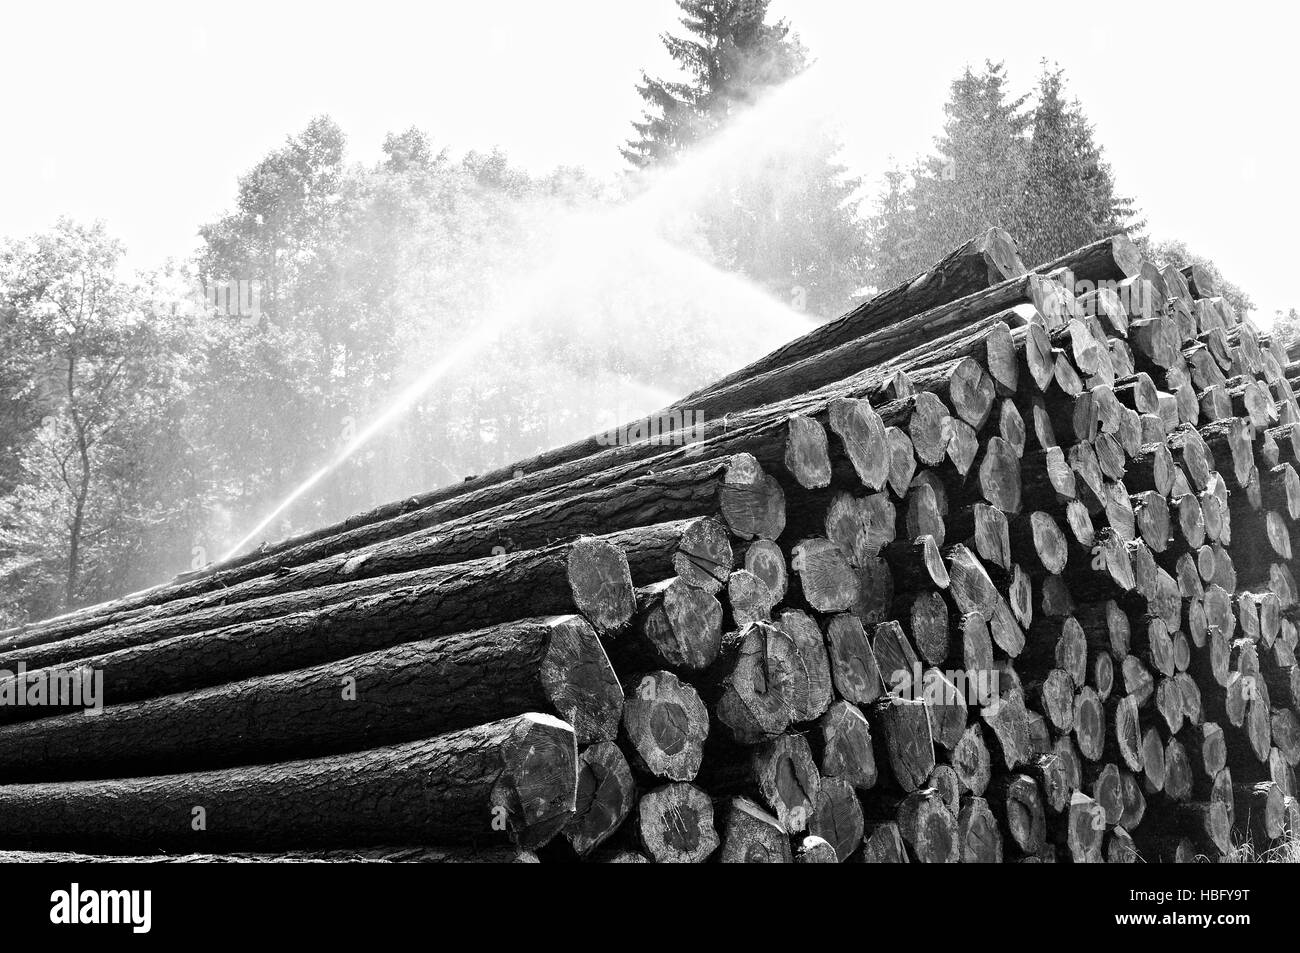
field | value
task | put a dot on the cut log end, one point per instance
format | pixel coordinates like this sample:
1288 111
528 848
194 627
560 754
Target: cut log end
580 681
537 788
606 794
665 723
601 584
676 824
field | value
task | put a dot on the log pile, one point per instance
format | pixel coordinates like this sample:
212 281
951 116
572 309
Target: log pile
995 568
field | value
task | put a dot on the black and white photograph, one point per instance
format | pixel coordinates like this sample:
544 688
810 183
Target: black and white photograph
441 435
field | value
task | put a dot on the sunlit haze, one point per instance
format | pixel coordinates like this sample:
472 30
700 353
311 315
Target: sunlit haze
144 114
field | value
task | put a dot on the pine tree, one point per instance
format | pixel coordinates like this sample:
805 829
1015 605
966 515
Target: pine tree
976 177
892 233
791 223
1069 196
1039 174
730 56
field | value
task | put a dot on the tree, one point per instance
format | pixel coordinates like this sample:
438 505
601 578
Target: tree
1039 173
100 478
789 222
892 231
1069 195
729 57
976 177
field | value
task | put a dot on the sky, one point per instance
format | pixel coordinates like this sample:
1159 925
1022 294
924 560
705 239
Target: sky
145 114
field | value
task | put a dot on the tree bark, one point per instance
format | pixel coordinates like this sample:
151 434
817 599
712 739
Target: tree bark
410 691
515 777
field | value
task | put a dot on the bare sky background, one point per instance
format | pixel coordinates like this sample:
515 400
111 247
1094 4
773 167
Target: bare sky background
144 114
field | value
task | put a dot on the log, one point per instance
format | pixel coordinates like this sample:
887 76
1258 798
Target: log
929 828
750 835
748 598
812 688
923 518
664 726
1058 774
1097 265
750 689
1039 534
1054 698
1018 805
1125 741
883 844
946 704
751 502
977 832
837 817
1153 761
943 779
969 390
844 746
904 726
929 429
279 633
410 691
925 619
902 460
1121 848
1107 790
1089 723
859 433
827 582
1011 427
807 457
895 656
1006 718
999 475
605 798
1135 804
515 778
1085 828
969 584
677 626
854 669
1178 772
971 762
675 824
766 561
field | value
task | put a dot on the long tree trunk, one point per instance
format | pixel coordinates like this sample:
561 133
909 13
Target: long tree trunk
509 780
410 691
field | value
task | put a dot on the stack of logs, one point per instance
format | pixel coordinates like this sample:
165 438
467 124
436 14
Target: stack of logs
996 567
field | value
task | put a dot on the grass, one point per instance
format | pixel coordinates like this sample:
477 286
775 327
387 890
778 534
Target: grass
1284 851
